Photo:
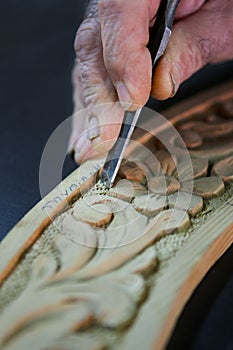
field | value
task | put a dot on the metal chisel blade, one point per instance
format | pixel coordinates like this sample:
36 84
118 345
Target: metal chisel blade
116 153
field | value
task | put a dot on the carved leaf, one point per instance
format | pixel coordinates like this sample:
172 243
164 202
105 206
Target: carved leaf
126 227
143 263
76 247
224 169
68 306
80 341
31 311
43 268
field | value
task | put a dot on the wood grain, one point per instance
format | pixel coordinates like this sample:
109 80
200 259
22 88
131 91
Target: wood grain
99 268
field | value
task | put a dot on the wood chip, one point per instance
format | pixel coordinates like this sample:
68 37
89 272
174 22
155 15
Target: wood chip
191 203
150 205
208 187
97 215
163 185
224 169
127 190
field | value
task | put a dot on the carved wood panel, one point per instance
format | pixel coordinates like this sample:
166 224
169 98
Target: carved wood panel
114 268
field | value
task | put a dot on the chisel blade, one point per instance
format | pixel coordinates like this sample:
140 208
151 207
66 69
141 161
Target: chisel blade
116 153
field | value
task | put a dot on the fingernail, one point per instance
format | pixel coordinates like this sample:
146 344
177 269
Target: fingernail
71 153
175 78
70 149
80 143
123 94
174 85
93 130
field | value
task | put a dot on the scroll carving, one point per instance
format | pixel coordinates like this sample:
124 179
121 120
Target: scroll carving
84 281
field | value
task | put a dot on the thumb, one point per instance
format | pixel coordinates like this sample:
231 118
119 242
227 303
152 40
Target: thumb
203 37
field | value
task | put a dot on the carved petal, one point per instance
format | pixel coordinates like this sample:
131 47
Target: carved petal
96 215
149 205
167 163
208 187
114 306
194 169
163 185
224 169
190 138
132 172
173 219
193 204
127 190
200 167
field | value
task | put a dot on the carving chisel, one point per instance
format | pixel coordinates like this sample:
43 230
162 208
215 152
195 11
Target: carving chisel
158 40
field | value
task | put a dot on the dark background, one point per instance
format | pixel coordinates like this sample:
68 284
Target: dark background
36 58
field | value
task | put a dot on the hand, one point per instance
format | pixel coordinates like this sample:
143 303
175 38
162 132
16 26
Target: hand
113 63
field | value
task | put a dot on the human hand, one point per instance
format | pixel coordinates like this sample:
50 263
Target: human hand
113 63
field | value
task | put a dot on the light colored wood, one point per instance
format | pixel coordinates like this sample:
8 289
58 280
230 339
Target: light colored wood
92 269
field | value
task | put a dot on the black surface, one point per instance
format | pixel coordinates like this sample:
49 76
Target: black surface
35 97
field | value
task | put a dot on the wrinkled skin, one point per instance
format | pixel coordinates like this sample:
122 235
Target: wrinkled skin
113 63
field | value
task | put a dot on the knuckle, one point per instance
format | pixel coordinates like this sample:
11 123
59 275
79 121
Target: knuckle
110 8
86 38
